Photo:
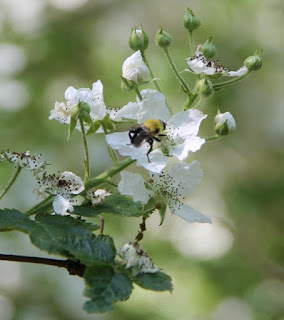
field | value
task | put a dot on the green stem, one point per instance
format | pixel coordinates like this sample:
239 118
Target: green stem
220 85
177 74
199 103
44 204
191 43
190 100
138 93
10 183
213 137
86 160
102 178
155 82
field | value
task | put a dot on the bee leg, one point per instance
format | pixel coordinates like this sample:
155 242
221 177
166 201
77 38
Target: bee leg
162 135
150 141
157 139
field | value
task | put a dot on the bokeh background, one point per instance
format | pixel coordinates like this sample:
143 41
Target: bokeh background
232 269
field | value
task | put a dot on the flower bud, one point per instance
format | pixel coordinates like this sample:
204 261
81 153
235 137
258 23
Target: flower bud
190 21
81 110
204 88
224 124
208 48
138 39
254 63
134 69
163 39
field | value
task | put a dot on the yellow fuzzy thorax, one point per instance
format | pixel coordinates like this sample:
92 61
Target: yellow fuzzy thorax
154 125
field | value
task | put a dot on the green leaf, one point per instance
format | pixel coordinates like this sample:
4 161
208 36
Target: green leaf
72 126
116 204
71 238
105 286
90 249
12 219
158 281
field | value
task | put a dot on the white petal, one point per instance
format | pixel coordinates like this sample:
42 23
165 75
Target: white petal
135 69
71 94
133 185
157 163
186 177
61 205
154 106
97 104
187 213
130 111
198 66
76 185
185 123
241 72
191 144
60 113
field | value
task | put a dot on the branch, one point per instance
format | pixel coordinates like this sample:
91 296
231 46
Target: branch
75 268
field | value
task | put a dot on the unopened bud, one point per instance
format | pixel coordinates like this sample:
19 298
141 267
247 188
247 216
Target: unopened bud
208 48
163 39
80 111
190 21
224 124
254 63
204 88
138 40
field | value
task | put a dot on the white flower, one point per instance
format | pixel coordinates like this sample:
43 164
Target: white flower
25 160
94 98
224 123
97 196
181 131
62 206
168 188
199 64
137 259
135 69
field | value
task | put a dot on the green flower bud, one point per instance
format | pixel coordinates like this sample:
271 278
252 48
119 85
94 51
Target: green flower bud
84 109
224 124
190 21
208 48
74 112
138 39
163 39
204 88
254 63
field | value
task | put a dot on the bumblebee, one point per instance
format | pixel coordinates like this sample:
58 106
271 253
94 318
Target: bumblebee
148 131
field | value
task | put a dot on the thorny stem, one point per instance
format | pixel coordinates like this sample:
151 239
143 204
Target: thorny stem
46 204
138 93
74 268
155 81
142 226
220 85
10 183
177 74
86 160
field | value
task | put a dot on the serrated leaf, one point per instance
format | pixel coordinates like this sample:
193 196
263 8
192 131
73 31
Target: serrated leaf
158 281
90 249
105 286
12 219
115 204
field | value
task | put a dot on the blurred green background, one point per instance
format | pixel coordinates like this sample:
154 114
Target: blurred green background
232 269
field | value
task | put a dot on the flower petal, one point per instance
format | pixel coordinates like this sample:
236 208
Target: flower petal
135 69
241 72
186 177
185 123
133 185
130 111
61 205
187 213
191 144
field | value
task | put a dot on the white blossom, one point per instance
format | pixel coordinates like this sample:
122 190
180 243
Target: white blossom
97 196
169 188
181 139
199 64
135 69
137 259
25 160
94 97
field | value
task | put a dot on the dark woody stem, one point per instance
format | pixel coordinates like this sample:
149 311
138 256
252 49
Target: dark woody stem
74 268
